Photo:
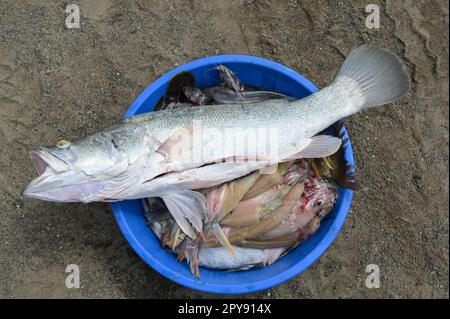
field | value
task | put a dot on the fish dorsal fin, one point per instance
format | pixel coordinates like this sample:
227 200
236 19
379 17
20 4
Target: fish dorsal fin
318 146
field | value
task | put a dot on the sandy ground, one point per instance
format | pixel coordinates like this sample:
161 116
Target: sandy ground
56 82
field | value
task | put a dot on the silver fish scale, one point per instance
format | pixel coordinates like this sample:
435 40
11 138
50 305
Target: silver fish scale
294 121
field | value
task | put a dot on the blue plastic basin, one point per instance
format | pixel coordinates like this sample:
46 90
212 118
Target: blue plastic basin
257 72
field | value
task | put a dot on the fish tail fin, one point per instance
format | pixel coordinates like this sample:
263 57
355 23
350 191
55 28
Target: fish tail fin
272 254
376 76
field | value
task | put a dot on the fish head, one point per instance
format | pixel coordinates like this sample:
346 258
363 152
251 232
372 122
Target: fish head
194 95
188 91
95 168
318 197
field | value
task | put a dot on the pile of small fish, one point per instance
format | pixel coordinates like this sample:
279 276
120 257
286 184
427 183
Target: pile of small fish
254 220
261 217
231 198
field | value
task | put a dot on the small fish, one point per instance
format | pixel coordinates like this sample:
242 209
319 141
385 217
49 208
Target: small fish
267 181
229 79
161 227
166 230
174 90
272 219
173 105
222 200
290 240
222 95
219 258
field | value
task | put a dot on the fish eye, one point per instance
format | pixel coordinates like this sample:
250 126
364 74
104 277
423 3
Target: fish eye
319 202
62 143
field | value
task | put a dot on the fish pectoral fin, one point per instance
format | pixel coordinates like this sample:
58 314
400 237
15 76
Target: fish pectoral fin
193 146
318 146
177 143
188 209
178 149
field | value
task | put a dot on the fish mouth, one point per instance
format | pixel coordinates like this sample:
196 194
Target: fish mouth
43 158
57 181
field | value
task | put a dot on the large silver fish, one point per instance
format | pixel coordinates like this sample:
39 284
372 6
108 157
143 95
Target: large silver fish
157 154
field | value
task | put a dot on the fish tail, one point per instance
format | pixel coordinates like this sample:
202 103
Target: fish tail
376 76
